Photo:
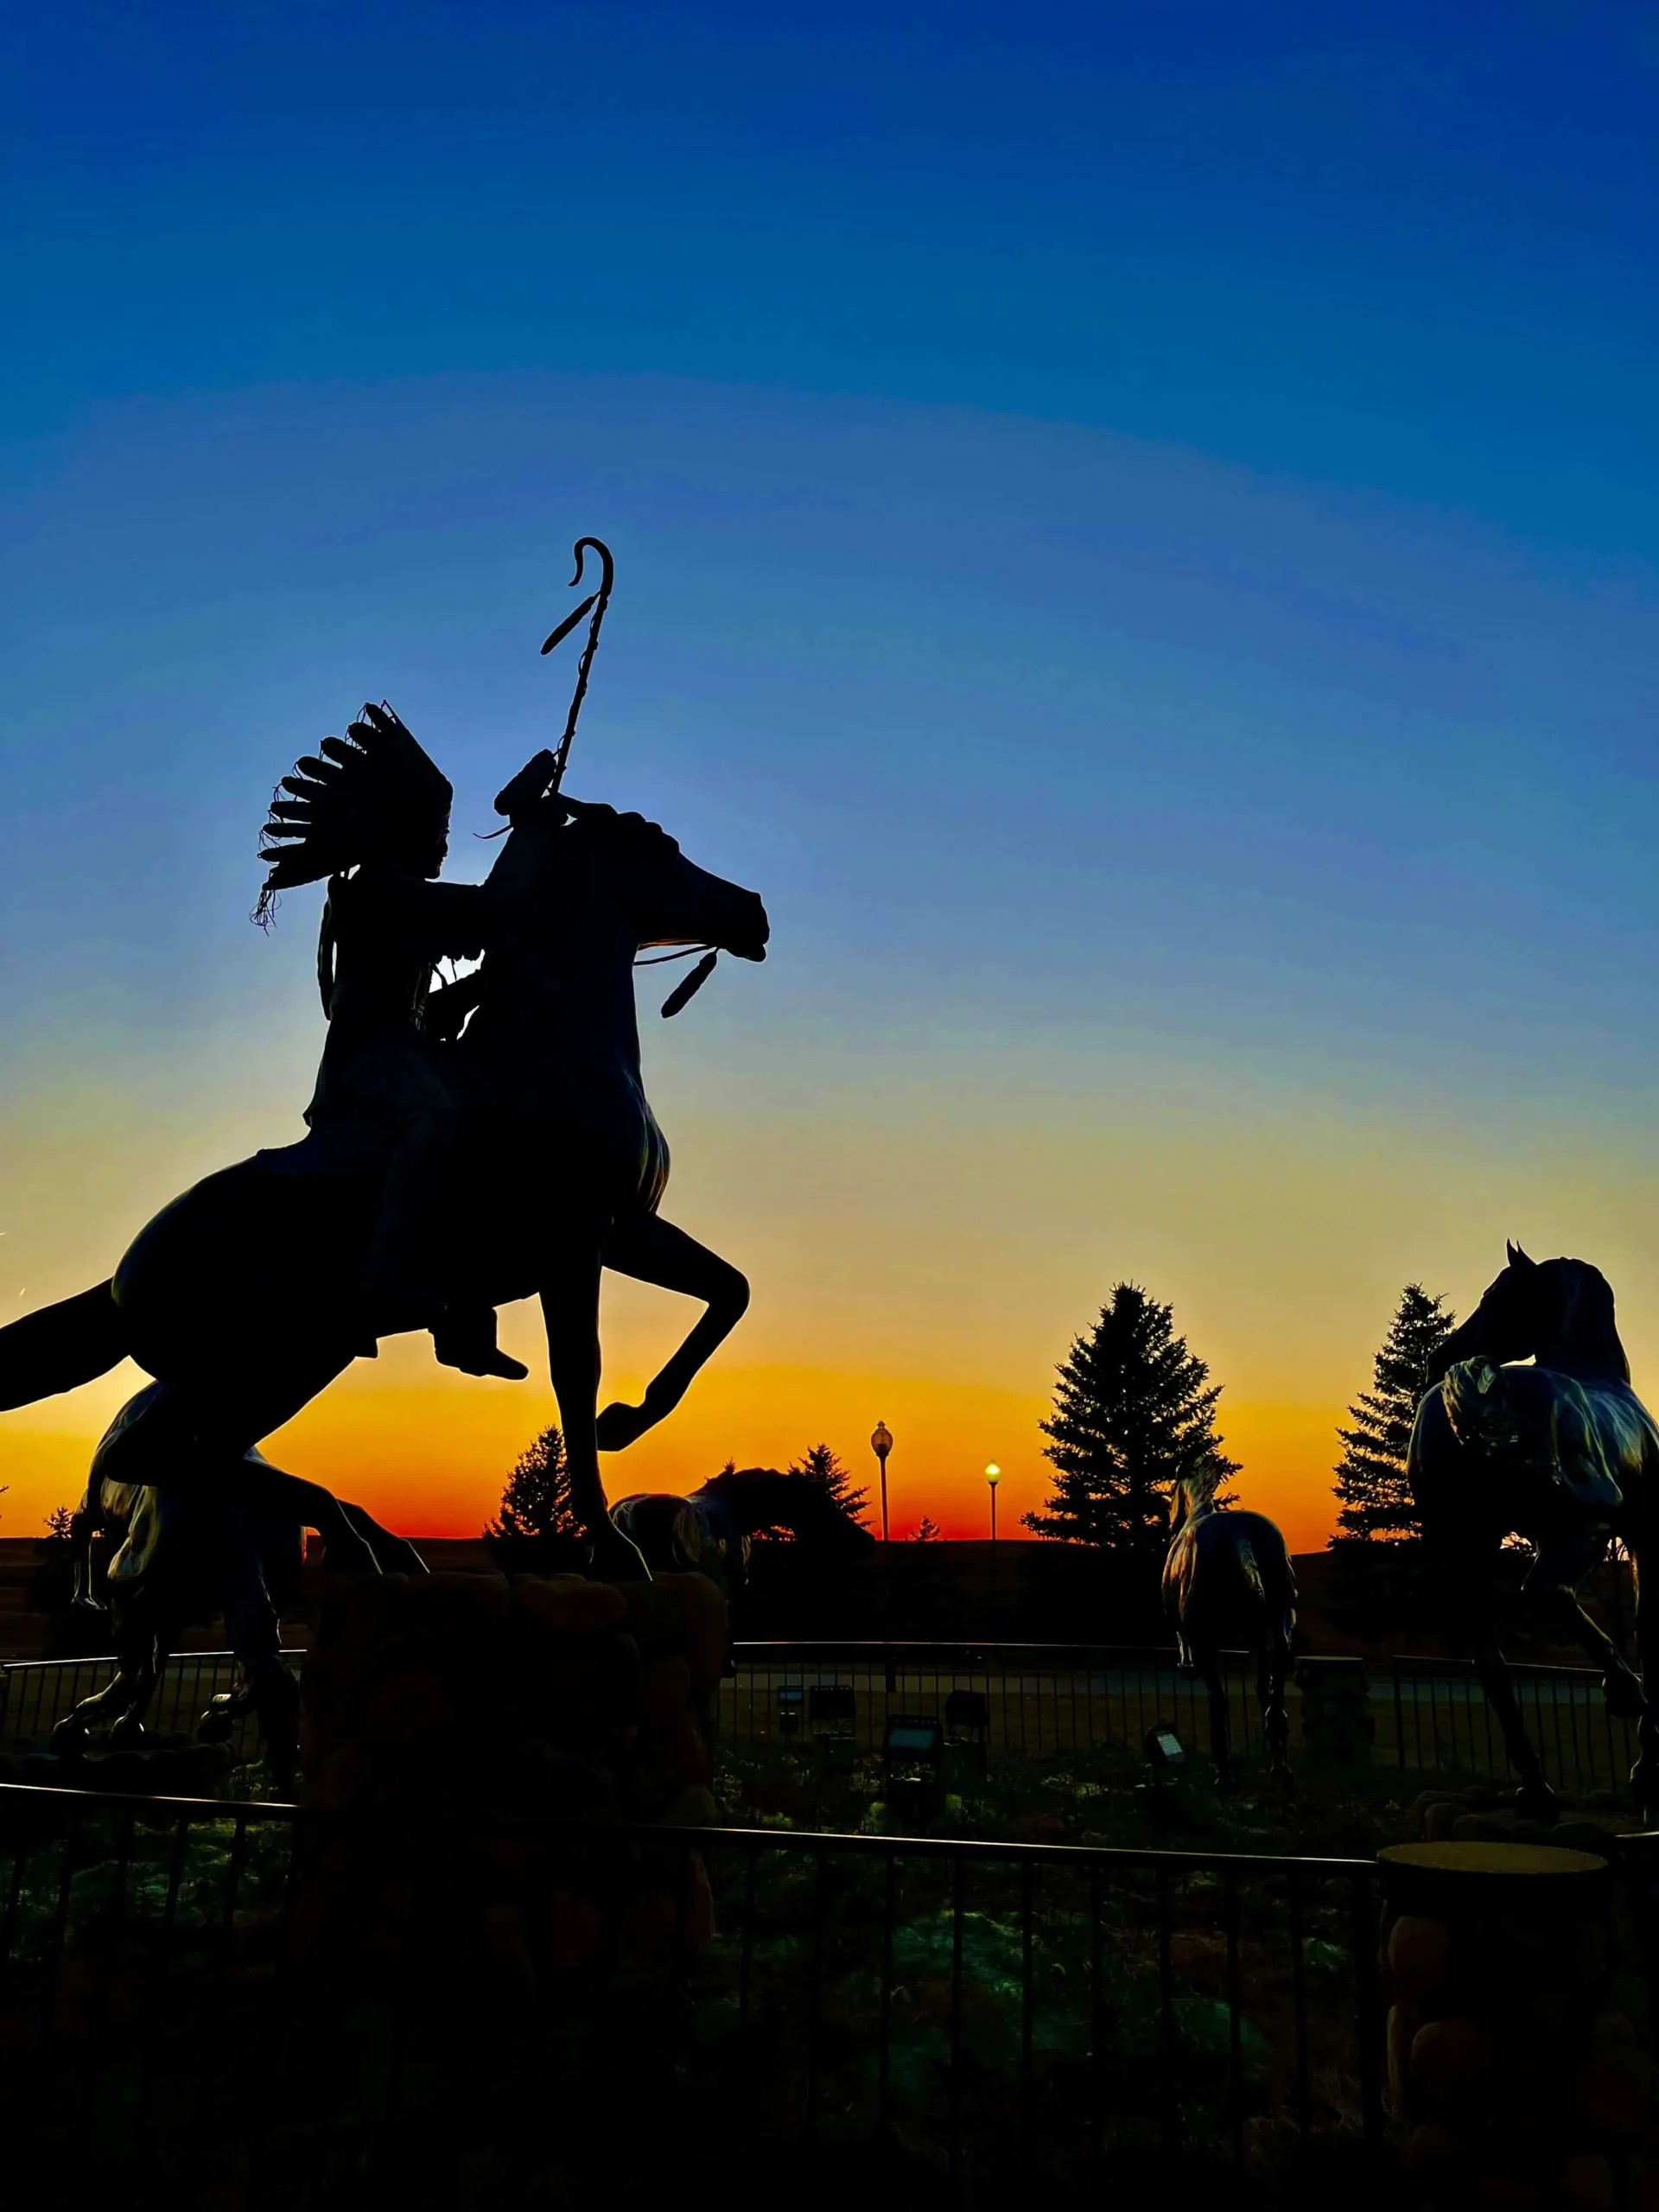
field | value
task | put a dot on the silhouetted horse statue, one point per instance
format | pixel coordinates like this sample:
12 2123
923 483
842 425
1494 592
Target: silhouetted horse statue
1228 1585
1562 1453
178 1560
241 1297
710 1530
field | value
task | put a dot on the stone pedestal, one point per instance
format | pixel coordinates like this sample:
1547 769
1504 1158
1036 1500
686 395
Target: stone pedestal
460 1714
1519 2084
1336 1723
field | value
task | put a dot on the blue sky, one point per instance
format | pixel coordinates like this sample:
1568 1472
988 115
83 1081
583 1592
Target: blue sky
1137 533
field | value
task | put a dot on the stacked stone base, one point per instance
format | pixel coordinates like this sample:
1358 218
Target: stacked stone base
448 1720
1485 1814
1518 2077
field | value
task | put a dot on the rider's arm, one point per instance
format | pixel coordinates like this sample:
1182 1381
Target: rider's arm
447 921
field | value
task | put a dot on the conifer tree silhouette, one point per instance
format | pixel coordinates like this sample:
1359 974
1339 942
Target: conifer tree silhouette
1134 1409
820 1465
1375 1498
536 1530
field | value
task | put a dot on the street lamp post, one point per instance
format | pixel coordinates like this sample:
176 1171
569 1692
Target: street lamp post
881 1444
992 1476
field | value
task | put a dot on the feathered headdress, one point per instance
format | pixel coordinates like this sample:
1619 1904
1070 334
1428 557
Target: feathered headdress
374 795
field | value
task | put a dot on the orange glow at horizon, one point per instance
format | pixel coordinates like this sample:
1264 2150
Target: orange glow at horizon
430 1453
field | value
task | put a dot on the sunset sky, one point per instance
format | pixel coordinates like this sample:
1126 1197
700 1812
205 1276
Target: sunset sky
1137 532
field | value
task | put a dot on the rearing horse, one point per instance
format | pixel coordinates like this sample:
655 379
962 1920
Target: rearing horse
240 1297
1562 1453
1228 1582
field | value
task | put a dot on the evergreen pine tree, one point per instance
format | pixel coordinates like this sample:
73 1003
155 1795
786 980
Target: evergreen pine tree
820 1465
537 1531
1134 1408
1371 1477
927 1531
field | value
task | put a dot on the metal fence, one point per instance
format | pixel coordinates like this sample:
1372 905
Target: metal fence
1430 1716
974 2016
35 1694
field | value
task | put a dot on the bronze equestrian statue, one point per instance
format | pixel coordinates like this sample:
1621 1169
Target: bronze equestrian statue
710 1530
1228 1585
177 1559
1561 1451
530 1161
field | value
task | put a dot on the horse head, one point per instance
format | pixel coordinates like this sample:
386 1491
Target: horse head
1557 1312
764 1497
564 854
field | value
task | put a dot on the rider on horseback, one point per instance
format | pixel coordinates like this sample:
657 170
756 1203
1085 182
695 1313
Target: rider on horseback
373 816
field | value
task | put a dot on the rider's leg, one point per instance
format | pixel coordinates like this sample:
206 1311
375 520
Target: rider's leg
194 1438
654 1251
570 1309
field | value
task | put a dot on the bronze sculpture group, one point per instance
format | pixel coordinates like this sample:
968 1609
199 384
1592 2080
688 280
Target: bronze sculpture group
488 1139
459 1155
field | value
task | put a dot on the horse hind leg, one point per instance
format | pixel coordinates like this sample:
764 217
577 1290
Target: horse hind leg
1644 1775
1221 1753
1272 1664
1554 1585
570 1309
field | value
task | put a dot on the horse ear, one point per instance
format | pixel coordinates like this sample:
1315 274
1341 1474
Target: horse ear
1517 1258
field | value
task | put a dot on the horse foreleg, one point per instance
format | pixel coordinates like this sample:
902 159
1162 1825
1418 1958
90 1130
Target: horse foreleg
1554 1582
654 1251
571 1310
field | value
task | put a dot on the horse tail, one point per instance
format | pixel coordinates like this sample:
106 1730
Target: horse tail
61 1347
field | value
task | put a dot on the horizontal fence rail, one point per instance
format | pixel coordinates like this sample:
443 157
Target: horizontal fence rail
1430 1718
38 1694
981 2015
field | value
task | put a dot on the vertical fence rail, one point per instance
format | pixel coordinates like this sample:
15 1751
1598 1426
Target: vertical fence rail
999 2009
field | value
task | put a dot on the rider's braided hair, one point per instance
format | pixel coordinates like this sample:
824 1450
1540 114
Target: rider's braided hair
374 795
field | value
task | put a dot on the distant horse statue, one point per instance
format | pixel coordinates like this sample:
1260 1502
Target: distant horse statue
241 1298
710 1530
1228 1585
178 1560
1562 1453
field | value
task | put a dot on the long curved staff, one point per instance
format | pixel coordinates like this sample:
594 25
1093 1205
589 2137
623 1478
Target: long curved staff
595 604
648 1248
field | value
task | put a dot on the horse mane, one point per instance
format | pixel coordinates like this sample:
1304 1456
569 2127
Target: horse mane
1589 1332
767 1497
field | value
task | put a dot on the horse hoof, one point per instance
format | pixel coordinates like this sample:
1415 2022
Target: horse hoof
396 1555
619 1425
615 1558
1536 1802
1623 1693
347 1554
